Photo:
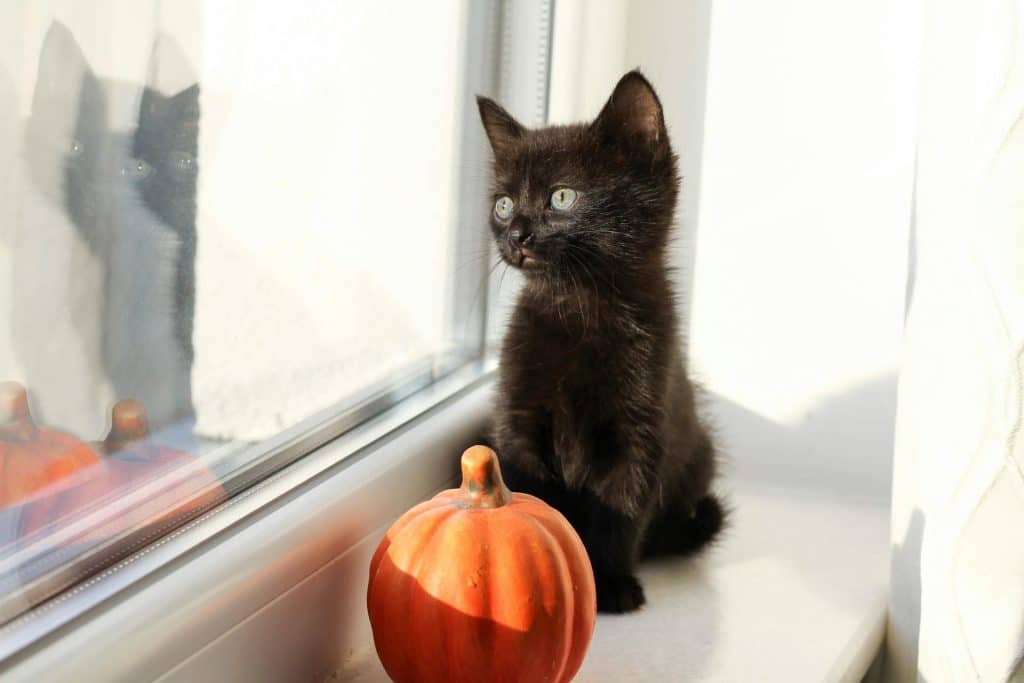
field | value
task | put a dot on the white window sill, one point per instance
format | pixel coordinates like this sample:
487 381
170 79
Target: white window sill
796 591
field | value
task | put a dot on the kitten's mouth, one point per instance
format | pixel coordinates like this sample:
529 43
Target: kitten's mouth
527 259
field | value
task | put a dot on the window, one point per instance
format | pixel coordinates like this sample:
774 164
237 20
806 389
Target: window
229 231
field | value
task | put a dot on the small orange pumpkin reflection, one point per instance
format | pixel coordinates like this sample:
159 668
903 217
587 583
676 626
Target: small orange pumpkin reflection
32 458
171 485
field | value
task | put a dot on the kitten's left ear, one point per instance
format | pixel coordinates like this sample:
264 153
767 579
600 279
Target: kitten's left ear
158 109
633 116
502 130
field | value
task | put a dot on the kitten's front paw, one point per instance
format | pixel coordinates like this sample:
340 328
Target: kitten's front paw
621 593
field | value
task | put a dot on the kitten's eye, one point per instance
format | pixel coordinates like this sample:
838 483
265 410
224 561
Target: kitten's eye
503 208
137 168
562 199
76 148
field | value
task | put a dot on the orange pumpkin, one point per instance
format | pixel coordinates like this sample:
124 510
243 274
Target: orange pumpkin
481 584
32 458
177 484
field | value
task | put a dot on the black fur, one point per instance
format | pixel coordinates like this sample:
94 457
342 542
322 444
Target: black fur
595 412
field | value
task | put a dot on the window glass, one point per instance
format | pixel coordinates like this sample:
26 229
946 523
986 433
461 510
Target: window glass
220 223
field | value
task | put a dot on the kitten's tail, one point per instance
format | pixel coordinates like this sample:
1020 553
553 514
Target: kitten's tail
686 531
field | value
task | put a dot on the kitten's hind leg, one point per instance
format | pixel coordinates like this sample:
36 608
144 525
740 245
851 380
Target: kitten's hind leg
682 528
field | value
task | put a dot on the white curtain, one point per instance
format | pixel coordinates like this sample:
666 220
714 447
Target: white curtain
957 606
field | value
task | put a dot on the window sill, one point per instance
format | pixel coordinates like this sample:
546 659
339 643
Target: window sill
796 590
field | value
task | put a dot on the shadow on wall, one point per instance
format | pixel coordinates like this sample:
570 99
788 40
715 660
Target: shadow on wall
840 452
842 448
103 270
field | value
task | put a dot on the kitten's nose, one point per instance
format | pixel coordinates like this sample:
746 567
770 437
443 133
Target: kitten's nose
521 235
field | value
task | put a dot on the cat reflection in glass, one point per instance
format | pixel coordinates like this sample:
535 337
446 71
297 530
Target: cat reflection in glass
117 256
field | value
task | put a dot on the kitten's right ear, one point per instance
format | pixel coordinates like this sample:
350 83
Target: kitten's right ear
502 130
63 69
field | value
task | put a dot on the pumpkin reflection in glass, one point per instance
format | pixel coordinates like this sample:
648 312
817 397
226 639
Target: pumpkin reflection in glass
33 458
149 485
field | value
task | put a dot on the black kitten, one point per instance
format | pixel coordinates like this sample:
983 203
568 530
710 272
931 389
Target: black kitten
595 412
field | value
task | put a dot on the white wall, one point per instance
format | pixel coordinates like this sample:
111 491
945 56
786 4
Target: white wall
794 121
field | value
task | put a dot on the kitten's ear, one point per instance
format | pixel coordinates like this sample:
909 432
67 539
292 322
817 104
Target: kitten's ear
178 113
502 130
633 116
189 97
63 70
169 69
152 109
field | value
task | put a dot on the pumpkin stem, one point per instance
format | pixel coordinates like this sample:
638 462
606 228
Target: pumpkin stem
482 485
128 422
15 418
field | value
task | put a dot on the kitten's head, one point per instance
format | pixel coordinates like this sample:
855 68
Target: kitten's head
83 164
166 145
587 199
